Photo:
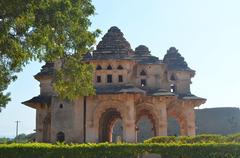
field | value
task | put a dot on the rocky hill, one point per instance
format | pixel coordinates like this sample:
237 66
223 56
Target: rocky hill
218 120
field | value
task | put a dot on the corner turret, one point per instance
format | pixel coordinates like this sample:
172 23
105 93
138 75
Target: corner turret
179 74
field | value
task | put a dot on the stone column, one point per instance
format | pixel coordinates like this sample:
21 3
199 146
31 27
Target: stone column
129 132
39 125
162 127
129 128
91 134
78 120
92 131
190 122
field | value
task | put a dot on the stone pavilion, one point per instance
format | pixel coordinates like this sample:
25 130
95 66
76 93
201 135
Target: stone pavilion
136 93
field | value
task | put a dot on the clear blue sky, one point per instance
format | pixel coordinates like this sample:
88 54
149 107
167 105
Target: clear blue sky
206 32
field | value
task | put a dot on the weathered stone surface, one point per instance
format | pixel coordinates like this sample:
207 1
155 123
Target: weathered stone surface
113 41
218 120
132 87
174 60
213 121
113 46
142 50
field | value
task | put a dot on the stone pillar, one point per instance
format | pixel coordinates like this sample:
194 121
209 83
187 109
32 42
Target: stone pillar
129 132
129 127
162 127
39 125
43 125
78 120
92 132
190 122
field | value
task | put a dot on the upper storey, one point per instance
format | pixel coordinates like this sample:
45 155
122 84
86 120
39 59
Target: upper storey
118 65
114 46
120 69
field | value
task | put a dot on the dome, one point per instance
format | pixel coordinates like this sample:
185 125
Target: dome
174 60
142 50
113 41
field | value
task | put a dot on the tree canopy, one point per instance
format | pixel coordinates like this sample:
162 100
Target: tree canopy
47 30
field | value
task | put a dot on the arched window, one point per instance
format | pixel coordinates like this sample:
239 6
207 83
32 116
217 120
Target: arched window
143 73
109 78
61 106
119 67
145 128
60 137
173 128
98 79
120 78
98 67
143 82
109 67
172 77
173 88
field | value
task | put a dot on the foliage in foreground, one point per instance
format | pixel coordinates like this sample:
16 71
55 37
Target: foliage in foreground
45 31
171 150
21 138
203 138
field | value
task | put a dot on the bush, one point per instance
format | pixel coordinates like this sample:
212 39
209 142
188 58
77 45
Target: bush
205 138
170 150
234 138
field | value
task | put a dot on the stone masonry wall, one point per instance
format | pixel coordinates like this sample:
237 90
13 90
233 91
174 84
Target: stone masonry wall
210 121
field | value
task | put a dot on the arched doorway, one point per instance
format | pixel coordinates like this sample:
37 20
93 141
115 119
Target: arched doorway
117 131
173 127
145 128
60 137
109 122
179 123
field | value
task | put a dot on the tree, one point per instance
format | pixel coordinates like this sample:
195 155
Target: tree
47 30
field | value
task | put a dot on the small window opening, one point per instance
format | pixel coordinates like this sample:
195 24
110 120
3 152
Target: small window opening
173 88
109 67
98 67
60 137
119 67
109 78
143 73
61 106
120 78
143 82
98 79
172 78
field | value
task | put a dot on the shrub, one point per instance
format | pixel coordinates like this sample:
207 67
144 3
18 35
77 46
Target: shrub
105 150
234 138
205 138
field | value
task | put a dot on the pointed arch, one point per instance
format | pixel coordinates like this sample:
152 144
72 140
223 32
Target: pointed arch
106 124
109 67
98 67
181 120
146 112
119 67
60 137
